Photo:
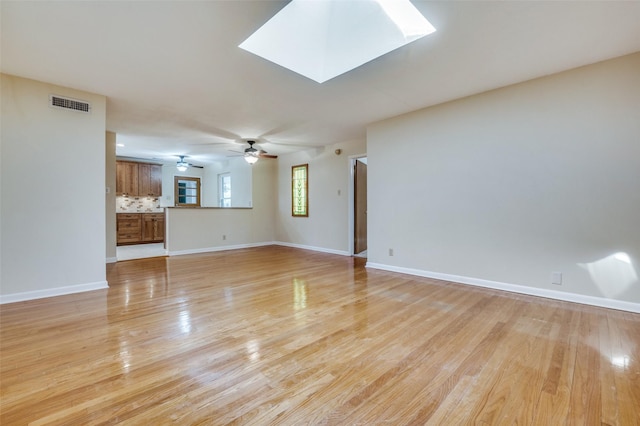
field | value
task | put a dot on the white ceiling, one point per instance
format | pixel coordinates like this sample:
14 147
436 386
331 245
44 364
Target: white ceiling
176 82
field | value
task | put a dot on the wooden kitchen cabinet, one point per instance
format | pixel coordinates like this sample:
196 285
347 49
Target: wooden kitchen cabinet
126 178
129 228
139 228
153 227
149 180
138 179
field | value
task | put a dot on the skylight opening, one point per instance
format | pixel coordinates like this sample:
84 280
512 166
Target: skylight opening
322 39
408 19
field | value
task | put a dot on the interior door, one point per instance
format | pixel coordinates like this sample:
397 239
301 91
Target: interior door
360 207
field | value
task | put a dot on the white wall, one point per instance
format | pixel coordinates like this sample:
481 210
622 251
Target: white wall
513 184
51 243
241 182
201 230
327 227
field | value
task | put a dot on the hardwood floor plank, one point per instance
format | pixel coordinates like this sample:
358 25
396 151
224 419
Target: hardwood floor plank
530 360
276 335
608 389
586 403
553 403
624 356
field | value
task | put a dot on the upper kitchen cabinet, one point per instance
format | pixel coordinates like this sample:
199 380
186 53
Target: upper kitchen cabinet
149 180
126 178
138 179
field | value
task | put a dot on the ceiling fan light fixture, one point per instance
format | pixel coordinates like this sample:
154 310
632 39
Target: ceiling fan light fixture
182 165
251 154
250 158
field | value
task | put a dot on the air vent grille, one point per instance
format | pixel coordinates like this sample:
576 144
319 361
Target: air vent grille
68 103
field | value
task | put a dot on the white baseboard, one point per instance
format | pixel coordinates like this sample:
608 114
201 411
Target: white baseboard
515 288
51 292
320 249
219 248
112 259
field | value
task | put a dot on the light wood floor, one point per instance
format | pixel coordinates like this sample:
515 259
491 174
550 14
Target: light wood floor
276 335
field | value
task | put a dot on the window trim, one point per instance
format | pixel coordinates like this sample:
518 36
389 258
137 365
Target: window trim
304 167
176 199
221 199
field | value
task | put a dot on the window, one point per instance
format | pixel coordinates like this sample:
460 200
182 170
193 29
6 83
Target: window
187 191
300 190
224 189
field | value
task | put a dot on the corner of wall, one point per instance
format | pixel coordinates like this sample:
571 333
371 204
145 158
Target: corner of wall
110 202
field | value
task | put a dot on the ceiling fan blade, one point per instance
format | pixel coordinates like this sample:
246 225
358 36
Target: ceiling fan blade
209 143
261 155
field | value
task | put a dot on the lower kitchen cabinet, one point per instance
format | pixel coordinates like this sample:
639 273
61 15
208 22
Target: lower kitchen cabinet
128 226
139 228
153 227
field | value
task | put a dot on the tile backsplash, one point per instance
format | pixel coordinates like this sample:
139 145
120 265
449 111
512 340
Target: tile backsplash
127 204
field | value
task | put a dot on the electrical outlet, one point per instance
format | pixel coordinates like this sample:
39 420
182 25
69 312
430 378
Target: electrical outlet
390 252
556 278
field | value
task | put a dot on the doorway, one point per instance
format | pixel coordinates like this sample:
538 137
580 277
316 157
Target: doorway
358 219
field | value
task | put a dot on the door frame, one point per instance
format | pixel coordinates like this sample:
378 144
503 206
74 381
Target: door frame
352 193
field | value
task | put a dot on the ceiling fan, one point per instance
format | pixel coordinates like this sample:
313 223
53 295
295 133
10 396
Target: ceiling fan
182 165
251 154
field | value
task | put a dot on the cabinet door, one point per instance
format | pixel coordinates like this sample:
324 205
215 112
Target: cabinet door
148 223
126 178
149 180
144 180
156 181
159 228
153 227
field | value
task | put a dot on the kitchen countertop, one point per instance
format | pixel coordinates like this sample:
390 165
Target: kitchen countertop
201 208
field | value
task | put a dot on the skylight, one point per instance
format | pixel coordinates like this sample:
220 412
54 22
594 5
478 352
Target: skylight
322 39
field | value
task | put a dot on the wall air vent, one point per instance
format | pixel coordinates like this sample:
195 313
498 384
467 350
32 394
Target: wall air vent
68 103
